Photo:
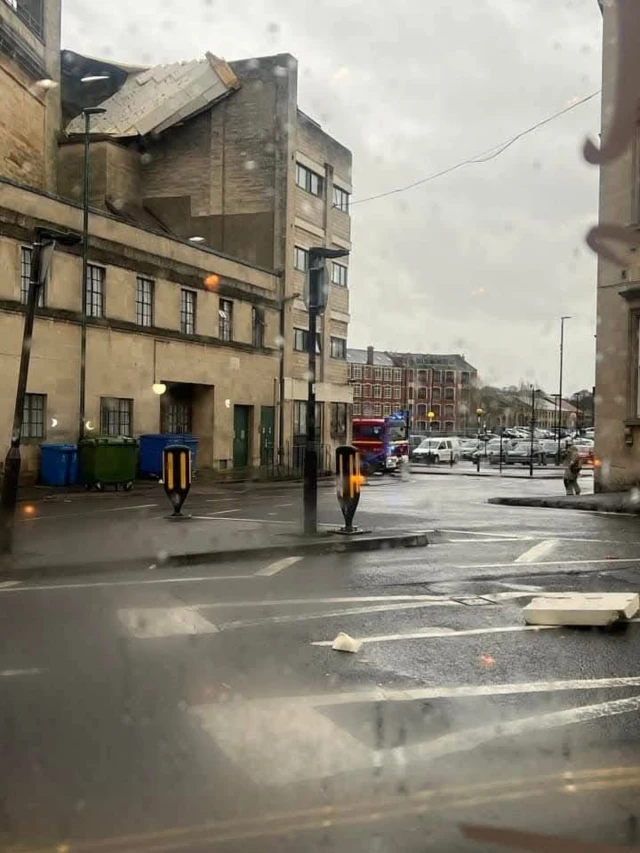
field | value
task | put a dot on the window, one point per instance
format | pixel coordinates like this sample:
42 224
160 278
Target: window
257 327
339 274
308 180
338 347
377 390
377 410
377 373
409 375
449 393
26 253
397 375
448 411
33 416
386 409
30 13
465 378
341 199
435 426
357 390
357 408
437 394
437 377
367 409
300 338
387 392
116 416
411 397
187 312
225 320
339 421
436 411
176 418
301 259
300 419
144 301
422 393
357 371
422 377
449 426
387 374
95 291
449 377
422 411
397 393
367 373
367 390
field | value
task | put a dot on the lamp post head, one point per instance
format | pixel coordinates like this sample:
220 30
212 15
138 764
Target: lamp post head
93 111
479 412
431 415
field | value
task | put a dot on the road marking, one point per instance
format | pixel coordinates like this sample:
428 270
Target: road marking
471 738
478 533
146 623
106 584
280 743
539 550
603 561
12 673
222 512
330 614
522 587
349 599
278 566
283 505
85 514
482 541
252 520
8 584
442 633
221 500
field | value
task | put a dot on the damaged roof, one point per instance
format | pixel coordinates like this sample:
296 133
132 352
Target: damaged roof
157 98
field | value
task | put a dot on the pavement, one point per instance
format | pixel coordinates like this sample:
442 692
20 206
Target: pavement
203 708
627 502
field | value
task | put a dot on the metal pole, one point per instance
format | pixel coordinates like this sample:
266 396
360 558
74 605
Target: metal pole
13 460
478 448
501 437
85 266
281 380
562 319
310 495
533 421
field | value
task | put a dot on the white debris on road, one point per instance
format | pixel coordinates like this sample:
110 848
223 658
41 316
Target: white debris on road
595 609
344 643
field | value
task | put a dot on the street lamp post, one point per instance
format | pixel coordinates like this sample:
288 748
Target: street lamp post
87 113
430 417
562 319
316 295
284 301
43 246
479 413
533 426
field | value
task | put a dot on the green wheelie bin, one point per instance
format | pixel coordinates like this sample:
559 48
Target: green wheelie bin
108 461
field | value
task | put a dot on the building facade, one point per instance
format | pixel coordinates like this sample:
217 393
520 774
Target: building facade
437 384
202 212
617 390
377 383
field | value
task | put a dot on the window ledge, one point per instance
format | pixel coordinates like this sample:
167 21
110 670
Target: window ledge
632 422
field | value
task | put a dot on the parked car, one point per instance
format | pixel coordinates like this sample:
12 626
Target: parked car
468 447
585 448
435 450
520 454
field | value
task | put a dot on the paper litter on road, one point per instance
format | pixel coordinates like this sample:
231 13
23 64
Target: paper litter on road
589 609
344 643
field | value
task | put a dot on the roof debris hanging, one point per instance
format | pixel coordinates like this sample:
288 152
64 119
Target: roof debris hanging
155 99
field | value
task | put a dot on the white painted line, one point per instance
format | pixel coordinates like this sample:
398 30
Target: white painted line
12 673
252 520
223 512
481 541
153 622
8 584
478 533
330 614
85 514
443 633
275 602
540 550
107 584
282 505
221 500
522 587
465 691
278 566
603 561
471 738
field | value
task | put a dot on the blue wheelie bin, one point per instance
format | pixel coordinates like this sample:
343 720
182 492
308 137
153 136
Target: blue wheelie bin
153 444
58 464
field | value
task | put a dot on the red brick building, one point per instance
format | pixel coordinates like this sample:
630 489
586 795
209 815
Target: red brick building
378 384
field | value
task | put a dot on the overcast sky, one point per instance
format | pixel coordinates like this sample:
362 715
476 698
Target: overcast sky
482 261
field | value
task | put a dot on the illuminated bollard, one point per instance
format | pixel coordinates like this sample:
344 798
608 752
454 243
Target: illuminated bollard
176 476
348 484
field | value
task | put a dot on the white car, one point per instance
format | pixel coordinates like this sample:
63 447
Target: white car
436 450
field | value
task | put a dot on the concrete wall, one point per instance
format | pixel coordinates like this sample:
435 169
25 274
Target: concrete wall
30 114
617 417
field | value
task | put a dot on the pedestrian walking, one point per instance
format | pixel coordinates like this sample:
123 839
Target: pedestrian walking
572 466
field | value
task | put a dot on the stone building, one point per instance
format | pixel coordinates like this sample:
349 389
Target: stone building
377 384
617 390
208 188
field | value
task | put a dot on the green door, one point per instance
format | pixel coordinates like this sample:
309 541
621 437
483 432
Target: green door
267 421
240 436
